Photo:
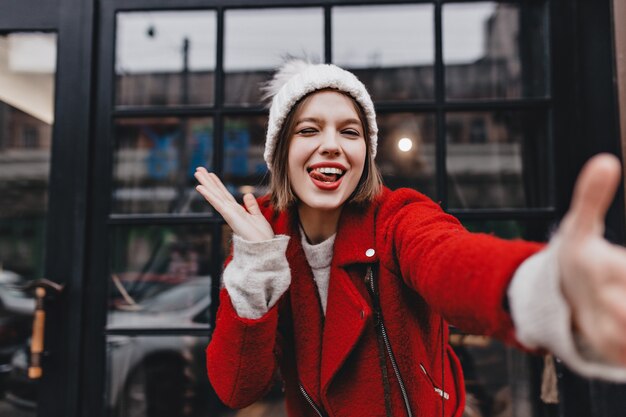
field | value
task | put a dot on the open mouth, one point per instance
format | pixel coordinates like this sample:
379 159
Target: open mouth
326 175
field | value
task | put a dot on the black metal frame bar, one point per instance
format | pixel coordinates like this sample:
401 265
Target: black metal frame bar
160 331
382 107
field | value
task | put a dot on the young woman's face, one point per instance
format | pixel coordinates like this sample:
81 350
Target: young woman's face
327 151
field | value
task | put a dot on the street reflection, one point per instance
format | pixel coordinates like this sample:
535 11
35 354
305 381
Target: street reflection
149 260
154 163
497 159
27 71
495 50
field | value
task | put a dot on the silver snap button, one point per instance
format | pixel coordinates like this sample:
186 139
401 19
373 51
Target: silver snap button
370 252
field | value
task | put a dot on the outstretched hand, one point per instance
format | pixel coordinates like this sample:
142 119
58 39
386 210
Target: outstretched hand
248 223
593 271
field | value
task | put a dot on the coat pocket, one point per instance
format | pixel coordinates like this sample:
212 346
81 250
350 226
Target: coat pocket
437 389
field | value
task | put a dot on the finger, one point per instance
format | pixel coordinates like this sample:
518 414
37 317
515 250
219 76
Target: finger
202 176
614 300
594 191
230 212
220 185
211 181
251 204
210 196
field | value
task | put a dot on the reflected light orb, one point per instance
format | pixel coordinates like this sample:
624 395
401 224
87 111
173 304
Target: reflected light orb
405 144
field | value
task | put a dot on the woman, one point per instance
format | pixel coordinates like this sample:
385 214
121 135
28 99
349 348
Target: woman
348 287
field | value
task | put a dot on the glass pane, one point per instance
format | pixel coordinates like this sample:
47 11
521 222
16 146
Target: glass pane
154 163
245 170
165 376
257 41
495 50
390 48
506 229
160 276
498 379
227 238
157 376
27 74
406 151
165 58
497 159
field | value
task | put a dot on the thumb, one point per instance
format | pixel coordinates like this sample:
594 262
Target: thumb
251 205
593 193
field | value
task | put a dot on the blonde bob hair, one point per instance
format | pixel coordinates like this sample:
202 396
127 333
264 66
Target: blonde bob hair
281 193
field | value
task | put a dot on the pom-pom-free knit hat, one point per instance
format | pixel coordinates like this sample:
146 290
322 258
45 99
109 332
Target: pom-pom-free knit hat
297 78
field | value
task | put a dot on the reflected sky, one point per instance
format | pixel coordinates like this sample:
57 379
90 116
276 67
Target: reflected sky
259 39
381 36
152 41
464 31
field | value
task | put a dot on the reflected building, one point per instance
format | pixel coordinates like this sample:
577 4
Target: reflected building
26 117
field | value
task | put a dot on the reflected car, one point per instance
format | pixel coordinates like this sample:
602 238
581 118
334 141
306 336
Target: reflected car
150 375
160 375
16 311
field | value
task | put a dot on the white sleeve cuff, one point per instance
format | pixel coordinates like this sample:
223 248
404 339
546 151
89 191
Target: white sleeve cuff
542 316
258 275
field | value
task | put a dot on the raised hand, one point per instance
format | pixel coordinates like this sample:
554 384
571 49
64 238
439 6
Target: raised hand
593 271
248 222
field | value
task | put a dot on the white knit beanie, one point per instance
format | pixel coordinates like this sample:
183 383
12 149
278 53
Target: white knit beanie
297 78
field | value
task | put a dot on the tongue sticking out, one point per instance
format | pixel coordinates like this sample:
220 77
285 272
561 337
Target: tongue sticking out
324 177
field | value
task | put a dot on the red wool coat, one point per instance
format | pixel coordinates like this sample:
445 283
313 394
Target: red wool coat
428 267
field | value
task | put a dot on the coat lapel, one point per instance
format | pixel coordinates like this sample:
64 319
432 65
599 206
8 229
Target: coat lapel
307 314
347 311
322 346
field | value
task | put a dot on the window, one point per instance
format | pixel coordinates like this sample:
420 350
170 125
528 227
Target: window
464 104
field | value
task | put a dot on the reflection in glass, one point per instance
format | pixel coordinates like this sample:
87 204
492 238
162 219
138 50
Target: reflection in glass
159 274
495 50
497 159
165 376
245 170
154 163
406 151
257 40
390 48
498 380
227 238
165 58
27 73
506 229
153 376
497 377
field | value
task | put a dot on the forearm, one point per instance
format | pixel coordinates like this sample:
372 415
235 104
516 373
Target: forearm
543 318
241 357
257 276
461 275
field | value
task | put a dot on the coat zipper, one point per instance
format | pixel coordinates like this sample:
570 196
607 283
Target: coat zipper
383 330
308 398
438 390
